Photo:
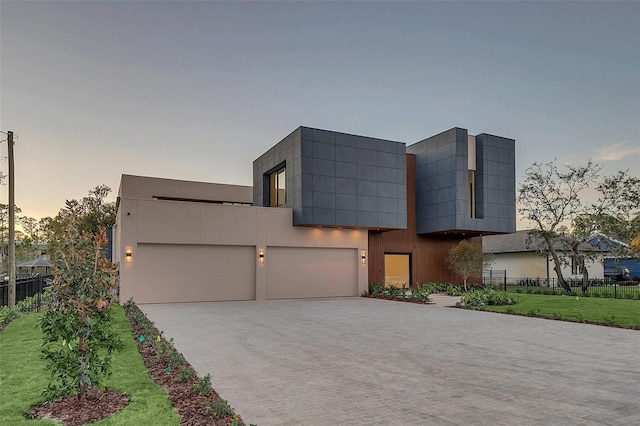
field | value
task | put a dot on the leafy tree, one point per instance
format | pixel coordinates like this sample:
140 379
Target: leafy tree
32 235
79 338
467 260
96 212
4 220
93 211
30 227
554 201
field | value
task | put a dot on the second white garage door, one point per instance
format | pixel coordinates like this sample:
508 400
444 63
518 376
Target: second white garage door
311 272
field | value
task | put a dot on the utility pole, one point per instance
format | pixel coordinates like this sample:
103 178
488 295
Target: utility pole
12 224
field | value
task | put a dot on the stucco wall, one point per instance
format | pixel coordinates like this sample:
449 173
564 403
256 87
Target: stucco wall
185 225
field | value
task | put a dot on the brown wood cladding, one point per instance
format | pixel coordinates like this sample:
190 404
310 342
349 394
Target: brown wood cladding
428 253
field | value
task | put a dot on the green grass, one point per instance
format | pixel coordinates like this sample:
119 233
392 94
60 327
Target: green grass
23 378
607 311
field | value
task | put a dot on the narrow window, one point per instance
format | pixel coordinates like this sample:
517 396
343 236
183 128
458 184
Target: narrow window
277 188
471 196
577 265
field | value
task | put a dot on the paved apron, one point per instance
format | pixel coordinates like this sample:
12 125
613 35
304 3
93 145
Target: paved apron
357 361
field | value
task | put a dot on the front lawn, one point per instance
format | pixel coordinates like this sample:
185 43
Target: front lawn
23 377
617 312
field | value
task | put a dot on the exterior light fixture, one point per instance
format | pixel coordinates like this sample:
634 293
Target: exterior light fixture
128 258
261 256
363 257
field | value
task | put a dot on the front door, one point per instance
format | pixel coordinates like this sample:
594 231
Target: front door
397 270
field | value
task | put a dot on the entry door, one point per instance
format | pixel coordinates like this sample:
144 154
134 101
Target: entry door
397 270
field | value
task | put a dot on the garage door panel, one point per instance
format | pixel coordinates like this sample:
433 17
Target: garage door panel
189 273
311 272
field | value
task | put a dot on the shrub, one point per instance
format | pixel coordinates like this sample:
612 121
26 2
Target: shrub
420 294
7 315
394 292
437 287
202 386
454 291
476 298
221 409
184 373
377 290
79 337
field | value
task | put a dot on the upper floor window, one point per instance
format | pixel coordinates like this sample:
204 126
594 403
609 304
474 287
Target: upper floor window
277 188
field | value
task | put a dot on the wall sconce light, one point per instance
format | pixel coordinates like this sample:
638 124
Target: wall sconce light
261 256
363 257
128 258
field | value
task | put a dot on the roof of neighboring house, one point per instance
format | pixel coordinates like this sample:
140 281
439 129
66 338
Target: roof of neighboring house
35 263
606 242
517 243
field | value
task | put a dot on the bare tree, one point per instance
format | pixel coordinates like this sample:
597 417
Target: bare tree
554 201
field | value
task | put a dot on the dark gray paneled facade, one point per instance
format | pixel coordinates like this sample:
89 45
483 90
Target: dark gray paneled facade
496 182
337 179
442 183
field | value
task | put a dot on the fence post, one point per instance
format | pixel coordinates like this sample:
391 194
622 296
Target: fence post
505 281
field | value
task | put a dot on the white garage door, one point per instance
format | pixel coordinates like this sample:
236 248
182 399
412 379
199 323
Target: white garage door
311 272
194 273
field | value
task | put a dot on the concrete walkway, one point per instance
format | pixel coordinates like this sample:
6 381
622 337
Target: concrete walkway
358 361
440 299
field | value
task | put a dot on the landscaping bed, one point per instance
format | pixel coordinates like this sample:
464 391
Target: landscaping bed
194 399
620 313
24 377
131 397
71 411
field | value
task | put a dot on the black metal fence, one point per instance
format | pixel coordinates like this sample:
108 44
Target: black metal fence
598 287
26 286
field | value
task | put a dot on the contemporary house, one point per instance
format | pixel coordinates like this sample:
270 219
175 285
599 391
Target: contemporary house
329 213
520 257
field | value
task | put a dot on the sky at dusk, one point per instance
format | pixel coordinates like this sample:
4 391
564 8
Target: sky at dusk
198 90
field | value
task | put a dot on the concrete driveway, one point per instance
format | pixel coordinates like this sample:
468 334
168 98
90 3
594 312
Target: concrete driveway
357 361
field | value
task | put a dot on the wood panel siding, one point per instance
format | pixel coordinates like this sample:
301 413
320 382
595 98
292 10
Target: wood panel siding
428 253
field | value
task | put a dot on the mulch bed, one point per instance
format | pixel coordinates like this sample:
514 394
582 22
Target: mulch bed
71 411
398 299
191 407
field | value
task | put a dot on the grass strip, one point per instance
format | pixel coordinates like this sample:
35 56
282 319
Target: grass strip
617 312
23 377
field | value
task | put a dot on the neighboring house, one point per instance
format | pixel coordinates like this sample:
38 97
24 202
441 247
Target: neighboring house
329 213
521 258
